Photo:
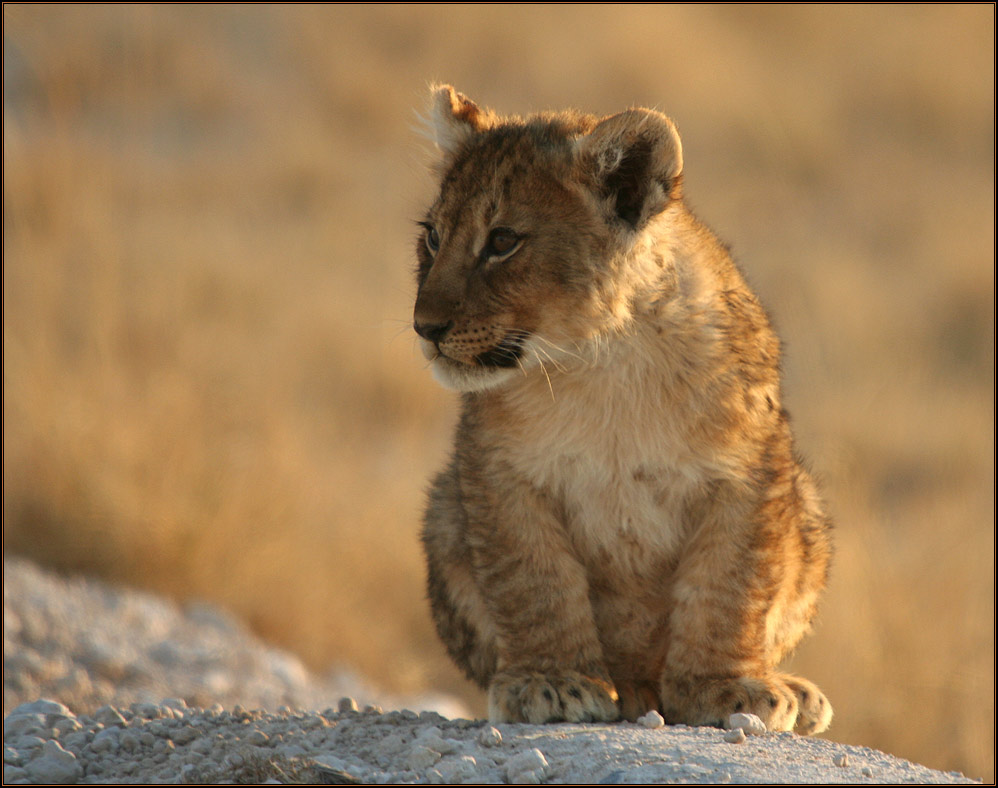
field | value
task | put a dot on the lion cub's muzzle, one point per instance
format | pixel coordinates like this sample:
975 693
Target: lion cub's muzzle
479 346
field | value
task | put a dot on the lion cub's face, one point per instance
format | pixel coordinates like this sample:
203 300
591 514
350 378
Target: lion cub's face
518 255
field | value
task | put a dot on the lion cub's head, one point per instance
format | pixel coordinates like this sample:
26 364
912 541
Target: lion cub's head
534 245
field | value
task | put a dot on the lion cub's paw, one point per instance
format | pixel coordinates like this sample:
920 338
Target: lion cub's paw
782 702
526 696
814 712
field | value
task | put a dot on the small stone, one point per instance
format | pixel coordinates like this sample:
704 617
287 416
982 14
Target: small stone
42 706
373 709
54 765
867 771
23 724
347 704
177 704
65 725
735 736
28 742
109 715
458 770
257 738
10 756
652 720
527 767
186 735
106 740
129 741
147 711
421 757
490 736
77 740
841 760
749 723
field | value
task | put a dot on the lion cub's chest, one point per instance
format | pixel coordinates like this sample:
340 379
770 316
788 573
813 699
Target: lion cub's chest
620 471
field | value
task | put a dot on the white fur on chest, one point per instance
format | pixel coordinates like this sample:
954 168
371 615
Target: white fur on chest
609 444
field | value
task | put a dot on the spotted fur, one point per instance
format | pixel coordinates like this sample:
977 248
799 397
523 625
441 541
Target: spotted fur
624 524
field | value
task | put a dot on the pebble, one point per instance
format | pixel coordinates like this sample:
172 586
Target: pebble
109 715
421 757
347 704
841 760
652 720
464 768
735 736
53 765
749 723
106 740
527 767
186 735
490 737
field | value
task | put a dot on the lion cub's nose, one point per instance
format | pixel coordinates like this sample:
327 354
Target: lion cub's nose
434 332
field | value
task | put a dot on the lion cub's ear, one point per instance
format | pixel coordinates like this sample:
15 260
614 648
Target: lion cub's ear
454 118
636 161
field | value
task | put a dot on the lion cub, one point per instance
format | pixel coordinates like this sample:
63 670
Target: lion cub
624 525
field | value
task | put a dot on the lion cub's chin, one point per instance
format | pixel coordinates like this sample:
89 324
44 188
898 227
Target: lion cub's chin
463 377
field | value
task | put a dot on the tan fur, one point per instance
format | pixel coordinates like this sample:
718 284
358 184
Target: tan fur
624 524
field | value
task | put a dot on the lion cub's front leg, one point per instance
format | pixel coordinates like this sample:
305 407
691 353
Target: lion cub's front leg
551 696
743 599
504 577
550 663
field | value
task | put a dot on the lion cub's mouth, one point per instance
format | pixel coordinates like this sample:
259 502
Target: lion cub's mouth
504 355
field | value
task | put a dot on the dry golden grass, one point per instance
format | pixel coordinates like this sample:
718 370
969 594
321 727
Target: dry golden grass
210 388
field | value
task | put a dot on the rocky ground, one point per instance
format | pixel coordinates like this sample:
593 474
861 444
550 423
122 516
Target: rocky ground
112 685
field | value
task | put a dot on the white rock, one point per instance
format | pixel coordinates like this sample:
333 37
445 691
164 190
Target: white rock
53 765
42 706
461 769
489 737
106 740
23 723
652 720
347 704
109 715
177 704
734 736
527 767
749 723
435 741
841 760
421 757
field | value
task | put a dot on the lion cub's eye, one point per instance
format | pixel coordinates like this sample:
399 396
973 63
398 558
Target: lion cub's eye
432 238
502 243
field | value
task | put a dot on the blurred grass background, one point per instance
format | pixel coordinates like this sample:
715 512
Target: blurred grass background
211 389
